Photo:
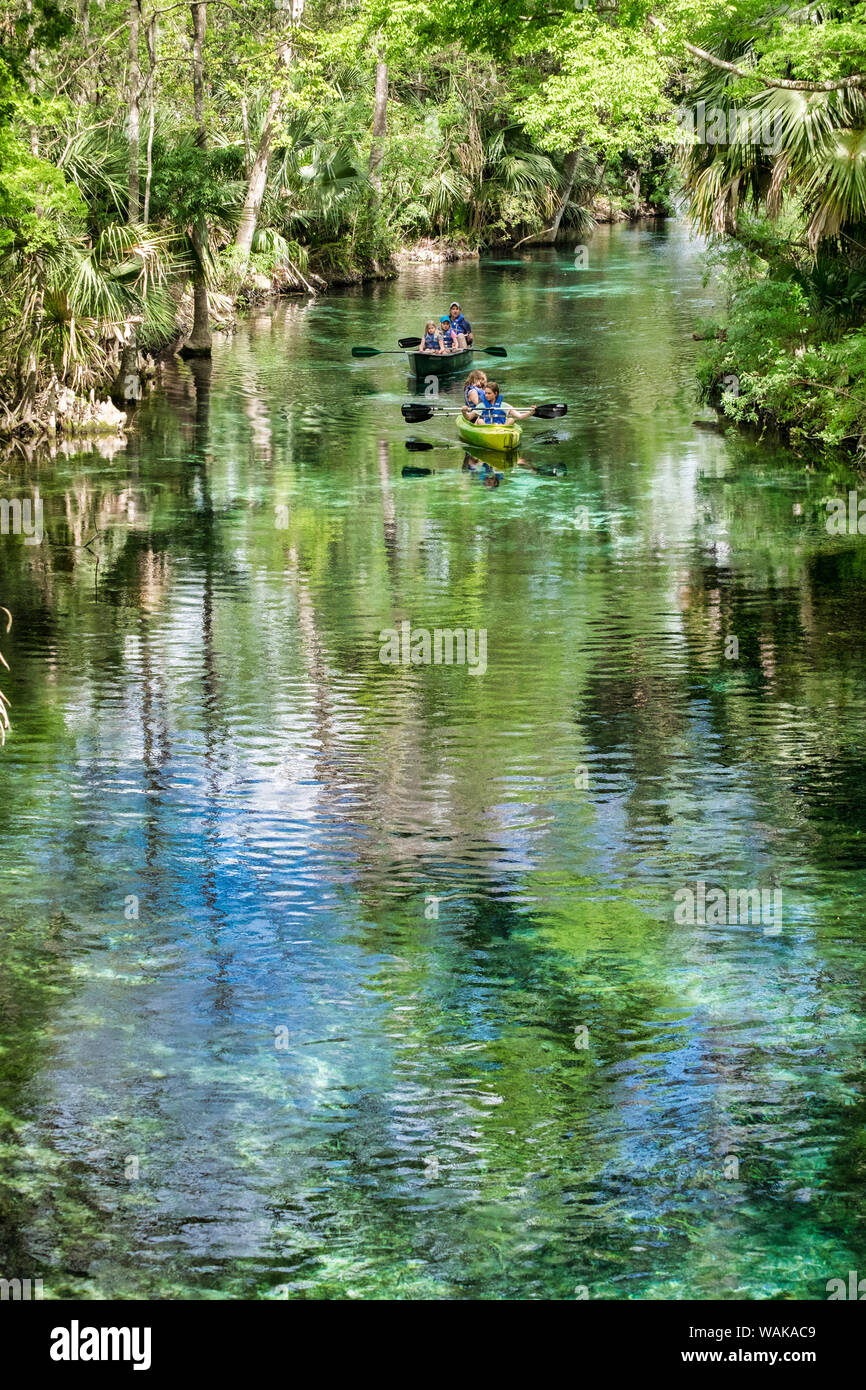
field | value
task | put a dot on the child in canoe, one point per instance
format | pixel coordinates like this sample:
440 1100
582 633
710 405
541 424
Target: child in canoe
493 410
431 342
473 389
449 339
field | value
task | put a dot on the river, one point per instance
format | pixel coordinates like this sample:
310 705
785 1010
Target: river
325 977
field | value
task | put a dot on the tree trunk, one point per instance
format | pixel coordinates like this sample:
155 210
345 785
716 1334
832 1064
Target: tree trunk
550 233
199 342
127 384
248 154
150 35
84 35
134 115
199 28
258 176
33 64
126 389
569 169
380 121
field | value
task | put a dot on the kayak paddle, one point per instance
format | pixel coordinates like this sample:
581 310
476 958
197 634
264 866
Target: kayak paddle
410 470
413 413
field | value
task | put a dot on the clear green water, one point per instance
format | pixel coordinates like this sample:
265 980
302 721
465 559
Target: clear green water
201 720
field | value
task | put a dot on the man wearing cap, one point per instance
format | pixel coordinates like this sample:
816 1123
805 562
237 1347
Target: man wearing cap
460 325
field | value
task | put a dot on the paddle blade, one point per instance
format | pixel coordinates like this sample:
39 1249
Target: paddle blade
493 351
409 342
418 446
365 352
550 412
414 414
410 471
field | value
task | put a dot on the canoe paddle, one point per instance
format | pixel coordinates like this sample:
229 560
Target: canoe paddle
406 345
409 343
491 351
413 414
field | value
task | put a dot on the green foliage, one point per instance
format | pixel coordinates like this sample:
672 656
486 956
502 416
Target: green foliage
34 198
774 363
190 183
784 193
488 109
607 91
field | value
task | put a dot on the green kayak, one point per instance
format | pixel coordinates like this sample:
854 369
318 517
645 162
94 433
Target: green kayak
499 437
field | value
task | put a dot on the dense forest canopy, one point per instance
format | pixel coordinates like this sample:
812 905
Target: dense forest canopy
158 159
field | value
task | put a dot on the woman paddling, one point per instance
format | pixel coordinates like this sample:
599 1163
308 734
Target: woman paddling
493 410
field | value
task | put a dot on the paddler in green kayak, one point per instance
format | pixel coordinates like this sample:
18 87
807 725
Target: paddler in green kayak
493 410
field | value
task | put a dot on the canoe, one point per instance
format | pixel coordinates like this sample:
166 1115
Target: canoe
428 364
499 437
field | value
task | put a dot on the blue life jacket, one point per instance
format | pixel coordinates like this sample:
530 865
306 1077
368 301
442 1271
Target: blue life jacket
471 404
461 324
489 414
431 340
448 338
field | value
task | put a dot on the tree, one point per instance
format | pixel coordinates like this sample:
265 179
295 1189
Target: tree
199 342
134 119
380 123
258 175
777 141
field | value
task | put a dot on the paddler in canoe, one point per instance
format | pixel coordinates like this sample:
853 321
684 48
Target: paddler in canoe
493 410
460 325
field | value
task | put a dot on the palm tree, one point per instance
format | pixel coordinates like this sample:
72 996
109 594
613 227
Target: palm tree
76 300
783 145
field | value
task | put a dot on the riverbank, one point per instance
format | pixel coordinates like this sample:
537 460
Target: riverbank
771 364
